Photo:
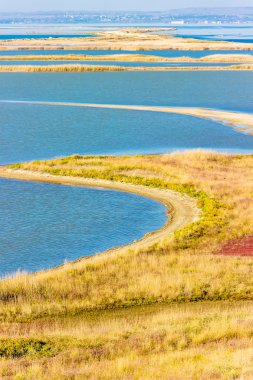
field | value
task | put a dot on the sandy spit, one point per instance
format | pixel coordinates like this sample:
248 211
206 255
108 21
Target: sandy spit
242 122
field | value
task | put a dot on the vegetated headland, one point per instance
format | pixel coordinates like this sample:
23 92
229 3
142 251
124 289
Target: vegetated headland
169 302
135 39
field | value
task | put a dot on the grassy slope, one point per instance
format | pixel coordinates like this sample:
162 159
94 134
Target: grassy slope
199 322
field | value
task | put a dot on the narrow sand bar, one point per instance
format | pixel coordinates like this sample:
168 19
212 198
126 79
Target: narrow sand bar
181 209
242 122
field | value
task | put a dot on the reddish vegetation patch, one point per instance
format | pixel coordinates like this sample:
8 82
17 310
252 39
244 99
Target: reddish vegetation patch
238 247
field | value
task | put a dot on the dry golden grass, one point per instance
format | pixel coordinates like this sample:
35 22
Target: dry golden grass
200 341
83 320
77 68
226 58
127 39
59 68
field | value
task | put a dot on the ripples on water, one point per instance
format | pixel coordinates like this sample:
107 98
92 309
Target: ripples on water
114 63
222 90
39 132
42 225
159 53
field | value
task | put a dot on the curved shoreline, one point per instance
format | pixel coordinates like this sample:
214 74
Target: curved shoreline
241 122
182 209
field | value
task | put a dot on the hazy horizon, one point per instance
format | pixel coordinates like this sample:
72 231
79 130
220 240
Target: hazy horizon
113 5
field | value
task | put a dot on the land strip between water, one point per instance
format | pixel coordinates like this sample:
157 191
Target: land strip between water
242 122
213 58
105 68
135 39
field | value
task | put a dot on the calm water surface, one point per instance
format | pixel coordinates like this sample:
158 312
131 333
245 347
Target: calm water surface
223 90
217 33
41 36
30 132
114 63
159 53
43 225
39 132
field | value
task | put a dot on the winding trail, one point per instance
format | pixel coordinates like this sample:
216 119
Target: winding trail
242 122
181 209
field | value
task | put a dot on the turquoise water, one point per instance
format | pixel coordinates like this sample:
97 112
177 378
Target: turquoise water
114 63
44 225
159 53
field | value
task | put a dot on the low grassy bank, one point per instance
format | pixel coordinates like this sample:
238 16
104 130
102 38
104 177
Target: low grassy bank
135 39
59 68
218 58
93 318
64 68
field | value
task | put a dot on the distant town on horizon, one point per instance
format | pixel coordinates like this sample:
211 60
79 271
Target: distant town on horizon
222 15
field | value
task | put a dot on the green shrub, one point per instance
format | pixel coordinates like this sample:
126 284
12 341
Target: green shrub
16 348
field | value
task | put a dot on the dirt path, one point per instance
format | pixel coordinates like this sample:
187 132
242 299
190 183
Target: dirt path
182 210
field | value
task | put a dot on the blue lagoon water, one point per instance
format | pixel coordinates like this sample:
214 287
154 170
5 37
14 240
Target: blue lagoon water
39 132
41 225
216 33
41 36
159 53
214 89
44 225
114 63
30 132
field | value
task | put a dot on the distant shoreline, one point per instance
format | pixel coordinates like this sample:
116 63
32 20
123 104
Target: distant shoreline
135 39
